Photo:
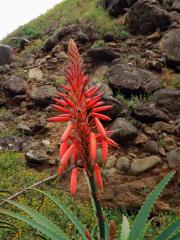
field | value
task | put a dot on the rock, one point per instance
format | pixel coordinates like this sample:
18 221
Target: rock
116 7
154 36
100 74
27 59
169 143
109 37
46 143
123 130
170 45
50 44
118 108
35 74
147 112
141 138
23 128
41 96
36 156
112 172
102 54
168 99
123 164
173 159
82 37
5 54
11 143
111 162
130 80
164 127
141 165
152 17
176 5
151 147
15 86
62 56
175 16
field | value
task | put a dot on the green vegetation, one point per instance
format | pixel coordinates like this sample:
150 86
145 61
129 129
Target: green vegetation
176 82
16 176
84 11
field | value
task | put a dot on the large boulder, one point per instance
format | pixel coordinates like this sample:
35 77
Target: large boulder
170 45
5 54
15 86
132 81
123 131
102 54
145 18
168 99
116 7
147 112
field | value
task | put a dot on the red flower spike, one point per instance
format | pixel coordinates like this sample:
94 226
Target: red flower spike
100 127
88 235
104 150
58 119
67 132
82 107
61 109
98 175
63 148
101 109
74 175
92 146
101 116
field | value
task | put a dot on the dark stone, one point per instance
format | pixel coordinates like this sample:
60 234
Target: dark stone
151 147
145 18
82 37
132 81
147 112
5 54
104 54
109 37
41 96
168 99
116 7
176 5
123 131
15 86
170 45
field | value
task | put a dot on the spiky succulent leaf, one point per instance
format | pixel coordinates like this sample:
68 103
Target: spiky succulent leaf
169 231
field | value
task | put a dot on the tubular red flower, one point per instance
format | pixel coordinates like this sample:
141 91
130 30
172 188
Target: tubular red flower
61 102
101 109
101 116
92 146
62 149
104 150
67 132
66 156
100 127
74 175
88 235
58 119
61 109
98 175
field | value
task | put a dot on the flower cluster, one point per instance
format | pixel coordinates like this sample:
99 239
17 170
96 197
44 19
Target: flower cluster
82 108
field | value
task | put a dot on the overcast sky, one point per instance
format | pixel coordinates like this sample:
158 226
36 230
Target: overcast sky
14 13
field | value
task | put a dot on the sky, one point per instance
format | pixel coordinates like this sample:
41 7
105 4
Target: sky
14 13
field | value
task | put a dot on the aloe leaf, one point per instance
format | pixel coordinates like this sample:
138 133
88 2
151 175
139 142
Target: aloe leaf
169 231
176 237
39 218
68 213
142 216
8 224
125 228
106 231
33 224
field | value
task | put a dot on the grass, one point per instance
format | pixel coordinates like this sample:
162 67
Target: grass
84 11
15 175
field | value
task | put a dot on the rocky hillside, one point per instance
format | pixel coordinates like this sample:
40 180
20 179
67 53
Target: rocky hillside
132 49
